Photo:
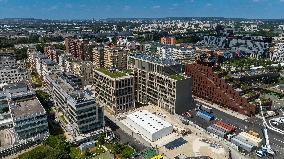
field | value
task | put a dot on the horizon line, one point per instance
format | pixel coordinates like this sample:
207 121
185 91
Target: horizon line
34 18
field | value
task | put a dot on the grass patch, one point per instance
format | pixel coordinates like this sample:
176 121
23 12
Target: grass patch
177 77
114 74
36 80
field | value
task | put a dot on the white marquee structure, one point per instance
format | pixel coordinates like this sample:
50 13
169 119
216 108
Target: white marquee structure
148 125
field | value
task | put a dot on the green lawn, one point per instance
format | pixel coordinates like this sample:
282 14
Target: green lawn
36 80
115 74
177 77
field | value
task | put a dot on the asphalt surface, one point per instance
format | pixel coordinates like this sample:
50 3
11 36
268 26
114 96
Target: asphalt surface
253 123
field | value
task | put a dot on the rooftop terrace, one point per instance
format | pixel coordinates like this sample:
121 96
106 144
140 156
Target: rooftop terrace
177 77
113 74
154 59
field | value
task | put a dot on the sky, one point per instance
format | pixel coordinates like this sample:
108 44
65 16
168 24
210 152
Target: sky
98 9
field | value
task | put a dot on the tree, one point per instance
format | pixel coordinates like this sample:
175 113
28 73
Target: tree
58 142
43 97
127 152
88 152
21 54
117 148
40 47
75 153
101 139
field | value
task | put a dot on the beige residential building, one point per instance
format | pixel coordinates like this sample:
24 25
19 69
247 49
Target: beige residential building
114 90
115 58
160 82
98 56
84 70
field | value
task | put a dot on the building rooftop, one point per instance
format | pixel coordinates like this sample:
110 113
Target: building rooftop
148 121
177 77
114 73
49 62
13 86
27 108
154 59
70 85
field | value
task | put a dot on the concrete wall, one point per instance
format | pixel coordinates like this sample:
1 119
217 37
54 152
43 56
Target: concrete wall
183 96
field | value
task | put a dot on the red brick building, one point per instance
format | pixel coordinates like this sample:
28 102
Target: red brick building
207 85
80 49
168 40
52 53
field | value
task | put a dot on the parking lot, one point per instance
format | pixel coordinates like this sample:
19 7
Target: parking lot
252 123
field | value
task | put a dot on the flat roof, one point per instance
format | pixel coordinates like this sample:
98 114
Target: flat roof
27 108
148 121
13 86
113 74
153 59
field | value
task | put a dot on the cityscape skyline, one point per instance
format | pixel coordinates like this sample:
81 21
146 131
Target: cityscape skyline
98 9
141 79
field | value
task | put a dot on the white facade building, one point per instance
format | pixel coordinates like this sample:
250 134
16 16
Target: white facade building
183 55
148 125
278 53
11 70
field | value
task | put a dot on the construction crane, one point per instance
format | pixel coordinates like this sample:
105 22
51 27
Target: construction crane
266 148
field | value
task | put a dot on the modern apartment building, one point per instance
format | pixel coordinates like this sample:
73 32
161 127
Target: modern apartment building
48 66
168 40
160 82
114 89
53 53
29 118
81 114
115 58
207 85
6 120
180 54
11 70
63 62
28 115
79 48
84 70
44 65
31 52
98 56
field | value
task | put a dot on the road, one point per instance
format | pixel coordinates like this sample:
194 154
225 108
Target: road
252 123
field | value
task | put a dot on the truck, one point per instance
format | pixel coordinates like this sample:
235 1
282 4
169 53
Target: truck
228 127
205 115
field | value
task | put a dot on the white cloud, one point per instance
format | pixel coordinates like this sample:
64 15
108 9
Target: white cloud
156 7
